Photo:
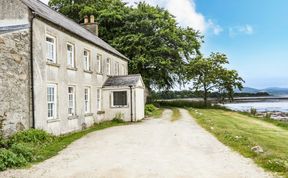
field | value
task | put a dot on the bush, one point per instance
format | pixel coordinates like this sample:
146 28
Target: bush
32 136
23 150
188 103
149 109
8 159
253 111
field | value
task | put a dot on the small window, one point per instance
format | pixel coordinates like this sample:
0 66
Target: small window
116 68
99 64
51 49
99 100
52 101
71 101
108 66
87 60
119 98
87 100
70 55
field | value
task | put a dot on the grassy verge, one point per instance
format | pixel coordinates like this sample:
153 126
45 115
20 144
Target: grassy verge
153 111
242 133
34 146
175 115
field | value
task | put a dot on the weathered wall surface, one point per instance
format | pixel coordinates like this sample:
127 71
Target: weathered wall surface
15 111
15 81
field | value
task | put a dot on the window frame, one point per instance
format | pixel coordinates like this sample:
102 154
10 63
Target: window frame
73 108
108 66
119 106
99 99
99 63
116 68
54 44
54 106
72 56
87 66
87 103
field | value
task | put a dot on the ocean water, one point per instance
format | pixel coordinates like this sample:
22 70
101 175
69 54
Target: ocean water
281 106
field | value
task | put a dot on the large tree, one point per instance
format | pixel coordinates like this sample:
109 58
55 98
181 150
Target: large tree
209 74
158 47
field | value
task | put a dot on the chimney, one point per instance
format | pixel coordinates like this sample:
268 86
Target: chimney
90 24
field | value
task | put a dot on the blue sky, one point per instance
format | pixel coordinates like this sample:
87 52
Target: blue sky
253 33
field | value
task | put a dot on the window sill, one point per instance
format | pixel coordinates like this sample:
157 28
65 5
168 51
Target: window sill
88 71
88 114
72 68
73 117
99 73
53 120
53 64
116 107
101 112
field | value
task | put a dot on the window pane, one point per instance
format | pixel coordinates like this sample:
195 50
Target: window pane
120 98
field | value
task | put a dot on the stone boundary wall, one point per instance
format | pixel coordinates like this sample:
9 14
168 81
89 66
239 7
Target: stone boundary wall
15 82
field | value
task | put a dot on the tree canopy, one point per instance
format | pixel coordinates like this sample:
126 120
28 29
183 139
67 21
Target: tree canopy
209 74
149 36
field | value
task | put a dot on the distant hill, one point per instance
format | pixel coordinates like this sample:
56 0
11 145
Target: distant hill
275 91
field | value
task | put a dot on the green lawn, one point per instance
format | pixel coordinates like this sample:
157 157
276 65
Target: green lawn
242 132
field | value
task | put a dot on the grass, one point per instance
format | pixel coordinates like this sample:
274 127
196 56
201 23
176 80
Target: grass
175 115
157 113
242 132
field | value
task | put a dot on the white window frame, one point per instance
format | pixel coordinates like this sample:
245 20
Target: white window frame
72 101
87 100
51 59
119 106
99 99
54 106
71 55
116 68
108 66
99 63
86 60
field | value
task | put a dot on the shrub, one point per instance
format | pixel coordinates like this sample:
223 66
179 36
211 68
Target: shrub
23 150
32 136
8 159
253 111
268 115
149 109
188 103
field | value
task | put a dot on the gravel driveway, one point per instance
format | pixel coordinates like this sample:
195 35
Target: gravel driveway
153 148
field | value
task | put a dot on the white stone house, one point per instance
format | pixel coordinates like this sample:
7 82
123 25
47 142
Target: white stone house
58 76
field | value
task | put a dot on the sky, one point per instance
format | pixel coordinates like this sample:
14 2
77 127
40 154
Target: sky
253 34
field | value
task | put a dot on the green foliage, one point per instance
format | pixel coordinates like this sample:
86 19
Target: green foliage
158 48
187 103
209 74
149 109
23 150
119 117
8 159
253 111
32 136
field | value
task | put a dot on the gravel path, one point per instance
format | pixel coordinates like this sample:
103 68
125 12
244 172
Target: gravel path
153 148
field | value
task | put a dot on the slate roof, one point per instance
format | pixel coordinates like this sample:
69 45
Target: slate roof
124 80
58 19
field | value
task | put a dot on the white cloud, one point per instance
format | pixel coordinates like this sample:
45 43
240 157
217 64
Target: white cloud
237 30
185 13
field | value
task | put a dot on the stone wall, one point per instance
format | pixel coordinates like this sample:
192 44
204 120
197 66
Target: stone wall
15 92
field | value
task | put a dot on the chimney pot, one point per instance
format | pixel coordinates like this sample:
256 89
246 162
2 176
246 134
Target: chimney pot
92 19
86 20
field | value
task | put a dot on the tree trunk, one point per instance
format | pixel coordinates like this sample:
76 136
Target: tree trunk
205 97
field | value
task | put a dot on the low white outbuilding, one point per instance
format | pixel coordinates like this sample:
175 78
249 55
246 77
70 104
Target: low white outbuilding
124 96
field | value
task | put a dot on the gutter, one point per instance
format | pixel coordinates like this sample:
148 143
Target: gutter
131 102
32 67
